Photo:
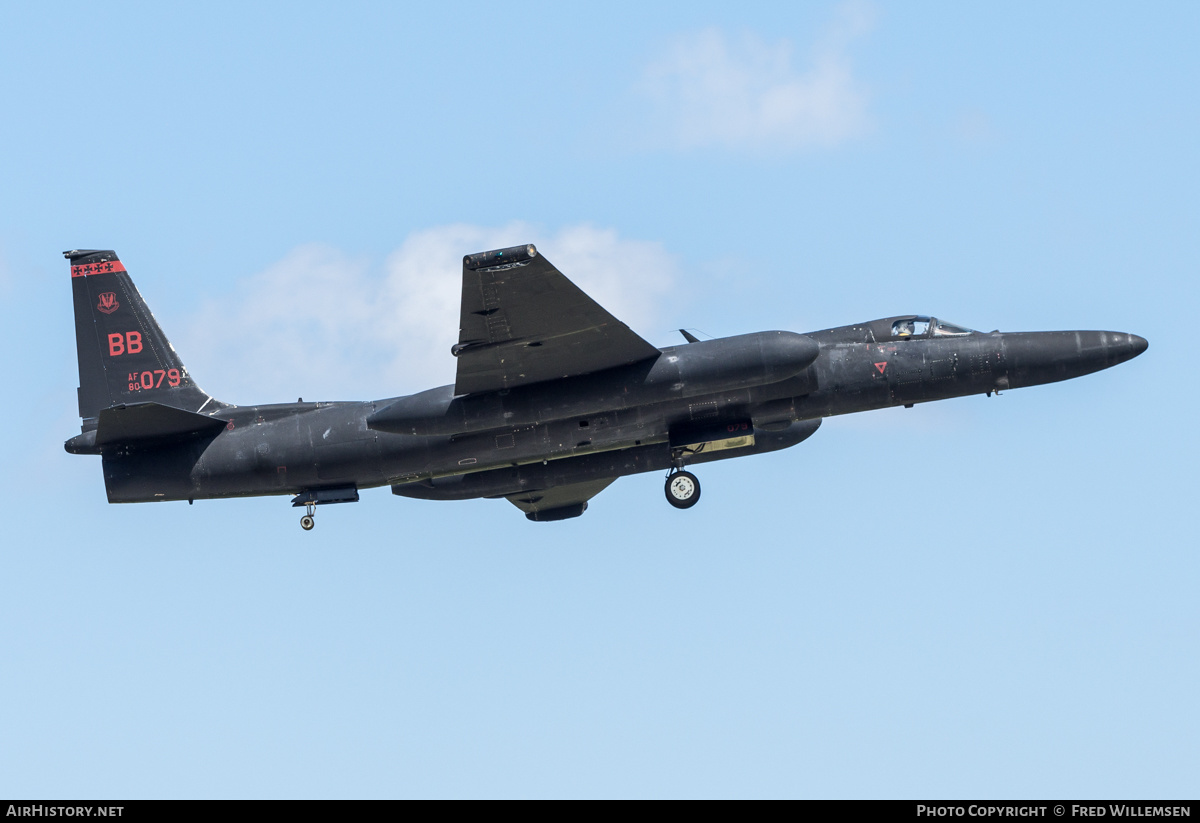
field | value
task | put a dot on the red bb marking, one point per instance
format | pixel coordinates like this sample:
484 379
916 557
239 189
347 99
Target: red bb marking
128 343
881 366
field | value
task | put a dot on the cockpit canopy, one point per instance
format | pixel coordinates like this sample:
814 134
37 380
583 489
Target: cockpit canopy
920 326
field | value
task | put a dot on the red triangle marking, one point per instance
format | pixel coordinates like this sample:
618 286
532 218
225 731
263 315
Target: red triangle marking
881 366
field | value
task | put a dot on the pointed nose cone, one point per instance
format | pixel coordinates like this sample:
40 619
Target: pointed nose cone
1121 347
1046 357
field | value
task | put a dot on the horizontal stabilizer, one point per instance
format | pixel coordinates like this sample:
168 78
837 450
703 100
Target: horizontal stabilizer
136 422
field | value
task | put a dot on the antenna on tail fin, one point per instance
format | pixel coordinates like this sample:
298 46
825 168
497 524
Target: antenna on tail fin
124 357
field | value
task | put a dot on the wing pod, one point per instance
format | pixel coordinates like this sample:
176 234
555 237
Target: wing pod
499 257
690 370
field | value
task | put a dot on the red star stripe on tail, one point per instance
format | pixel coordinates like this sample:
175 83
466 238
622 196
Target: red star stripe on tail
103 267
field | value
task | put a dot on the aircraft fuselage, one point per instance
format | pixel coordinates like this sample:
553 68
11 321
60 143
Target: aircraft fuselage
554 398
604 425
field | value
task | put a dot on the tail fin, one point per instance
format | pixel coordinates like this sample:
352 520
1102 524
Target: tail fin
124 357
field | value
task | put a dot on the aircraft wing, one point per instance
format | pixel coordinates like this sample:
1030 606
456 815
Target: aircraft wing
523 322
559 502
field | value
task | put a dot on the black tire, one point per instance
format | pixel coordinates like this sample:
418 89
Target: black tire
307 522
682 490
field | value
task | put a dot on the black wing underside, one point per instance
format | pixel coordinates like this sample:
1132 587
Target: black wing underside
559 502
523 322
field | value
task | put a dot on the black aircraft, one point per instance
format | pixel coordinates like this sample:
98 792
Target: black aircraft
554 398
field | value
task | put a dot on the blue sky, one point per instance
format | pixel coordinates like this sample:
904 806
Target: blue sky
982 597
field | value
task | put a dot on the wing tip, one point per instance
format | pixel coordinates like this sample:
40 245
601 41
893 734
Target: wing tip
500 257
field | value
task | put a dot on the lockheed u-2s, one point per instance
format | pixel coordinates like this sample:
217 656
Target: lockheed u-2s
554 398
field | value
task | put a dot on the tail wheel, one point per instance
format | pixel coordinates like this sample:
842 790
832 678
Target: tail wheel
683 489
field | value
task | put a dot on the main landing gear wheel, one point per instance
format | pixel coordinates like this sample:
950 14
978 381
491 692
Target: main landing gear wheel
307 522
683 489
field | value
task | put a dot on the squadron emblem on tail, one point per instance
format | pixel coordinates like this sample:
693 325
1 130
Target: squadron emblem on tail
108 302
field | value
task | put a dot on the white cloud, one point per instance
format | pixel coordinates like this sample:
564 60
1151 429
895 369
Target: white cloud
323 325
744 92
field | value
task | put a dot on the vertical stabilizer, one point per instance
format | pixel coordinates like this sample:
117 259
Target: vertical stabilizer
124 357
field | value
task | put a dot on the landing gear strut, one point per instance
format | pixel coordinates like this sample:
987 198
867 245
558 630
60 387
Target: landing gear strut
311 497
683 488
